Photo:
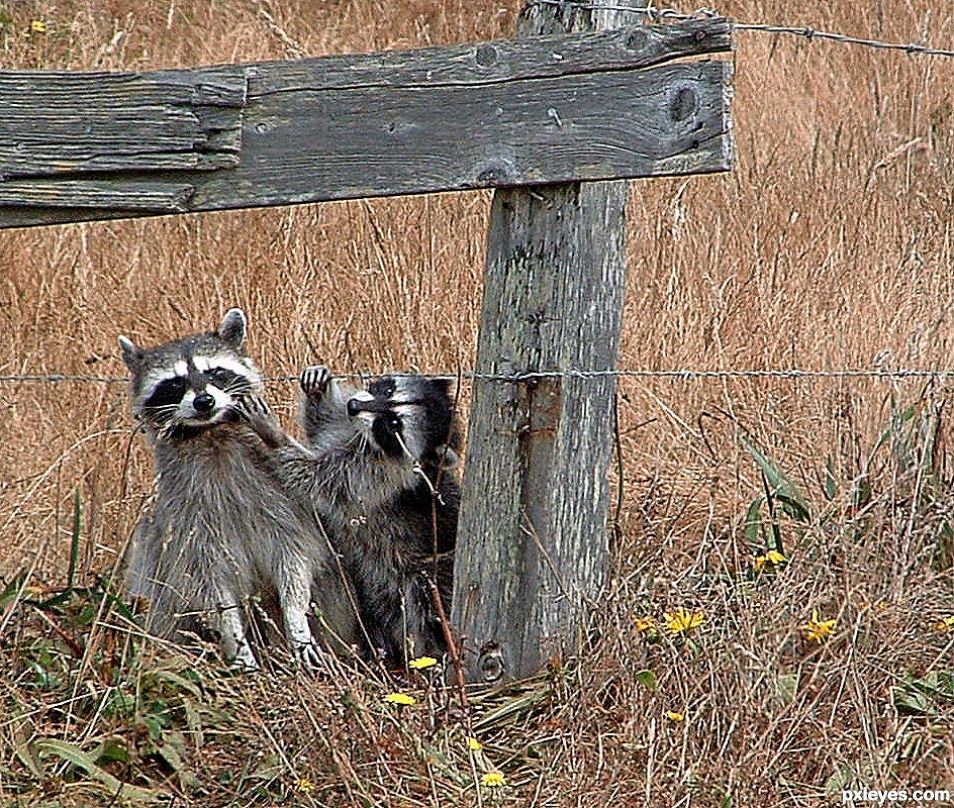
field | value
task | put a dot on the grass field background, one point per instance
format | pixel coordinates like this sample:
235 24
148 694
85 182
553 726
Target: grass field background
828 247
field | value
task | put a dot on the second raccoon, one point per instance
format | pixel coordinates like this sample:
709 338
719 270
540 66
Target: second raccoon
377 469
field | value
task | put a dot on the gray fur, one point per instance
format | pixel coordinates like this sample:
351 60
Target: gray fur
222 530
377 506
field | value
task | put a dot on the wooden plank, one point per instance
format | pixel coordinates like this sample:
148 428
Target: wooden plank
157 197
73 124
532 550
559 54
591 106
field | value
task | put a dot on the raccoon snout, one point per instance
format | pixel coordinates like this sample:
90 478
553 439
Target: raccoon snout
358 405
203 403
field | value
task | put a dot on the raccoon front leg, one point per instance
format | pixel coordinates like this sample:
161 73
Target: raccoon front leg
325 403
258 415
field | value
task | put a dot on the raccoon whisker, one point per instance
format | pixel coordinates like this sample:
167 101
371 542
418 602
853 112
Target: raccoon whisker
417 468
403 445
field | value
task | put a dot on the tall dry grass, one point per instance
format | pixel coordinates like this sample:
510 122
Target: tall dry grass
829 246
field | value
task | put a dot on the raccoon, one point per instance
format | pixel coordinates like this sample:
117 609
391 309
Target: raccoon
222 529
377 468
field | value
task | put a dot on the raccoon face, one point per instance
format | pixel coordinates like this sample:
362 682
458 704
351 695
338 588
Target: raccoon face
405 416
192 382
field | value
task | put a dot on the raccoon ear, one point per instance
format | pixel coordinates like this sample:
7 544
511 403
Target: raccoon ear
446 386
233 327
448 457
132 354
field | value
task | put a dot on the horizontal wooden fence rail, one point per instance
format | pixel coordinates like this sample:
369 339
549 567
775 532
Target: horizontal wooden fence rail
589 106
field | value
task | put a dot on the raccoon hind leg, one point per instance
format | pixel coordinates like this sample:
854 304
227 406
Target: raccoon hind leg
233 640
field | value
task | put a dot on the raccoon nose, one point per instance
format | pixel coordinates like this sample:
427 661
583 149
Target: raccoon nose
204 402
354 407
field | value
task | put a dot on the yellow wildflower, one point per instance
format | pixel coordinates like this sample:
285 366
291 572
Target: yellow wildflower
401 698
945 624
772 559
816 629
304 785
644 624
422 662
492 779
672 715
683 620
37 27
473 744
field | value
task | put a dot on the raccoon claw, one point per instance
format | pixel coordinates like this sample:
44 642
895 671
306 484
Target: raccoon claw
314 380
251 408
308 656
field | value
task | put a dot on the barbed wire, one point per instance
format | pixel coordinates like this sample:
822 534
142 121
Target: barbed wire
656 14
684 374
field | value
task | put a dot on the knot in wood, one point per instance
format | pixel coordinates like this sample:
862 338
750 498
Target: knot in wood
486 55
636 40
682 104
495 172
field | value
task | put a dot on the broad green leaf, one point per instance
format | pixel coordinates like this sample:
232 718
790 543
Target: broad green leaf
121 791
780 485
753 525
647 679
786 687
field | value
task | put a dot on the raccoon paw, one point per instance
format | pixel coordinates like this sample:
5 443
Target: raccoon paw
244 660
256 413
251 407
314 380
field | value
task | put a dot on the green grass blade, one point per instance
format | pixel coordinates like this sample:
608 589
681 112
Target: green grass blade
74 538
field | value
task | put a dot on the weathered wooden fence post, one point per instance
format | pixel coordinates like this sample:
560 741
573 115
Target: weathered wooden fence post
533 541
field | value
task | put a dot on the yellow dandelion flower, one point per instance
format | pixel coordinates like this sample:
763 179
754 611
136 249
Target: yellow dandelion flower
945 624
644 624
422 662
672 715
683 620
492 779
304 785
473 744
816 629
772 559
37 27
401 698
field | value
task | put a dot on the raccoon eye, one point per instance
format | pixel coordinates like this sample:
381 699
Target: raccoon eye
393 422
221 375
168 393
383 387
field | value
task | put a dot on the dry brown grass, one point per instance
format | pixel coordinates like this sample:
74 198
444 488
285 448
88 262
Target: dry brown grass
830 243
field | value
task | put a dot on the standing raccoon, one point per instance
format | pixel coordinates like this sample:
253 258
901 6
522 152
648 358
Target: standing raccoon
377 472
222 529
